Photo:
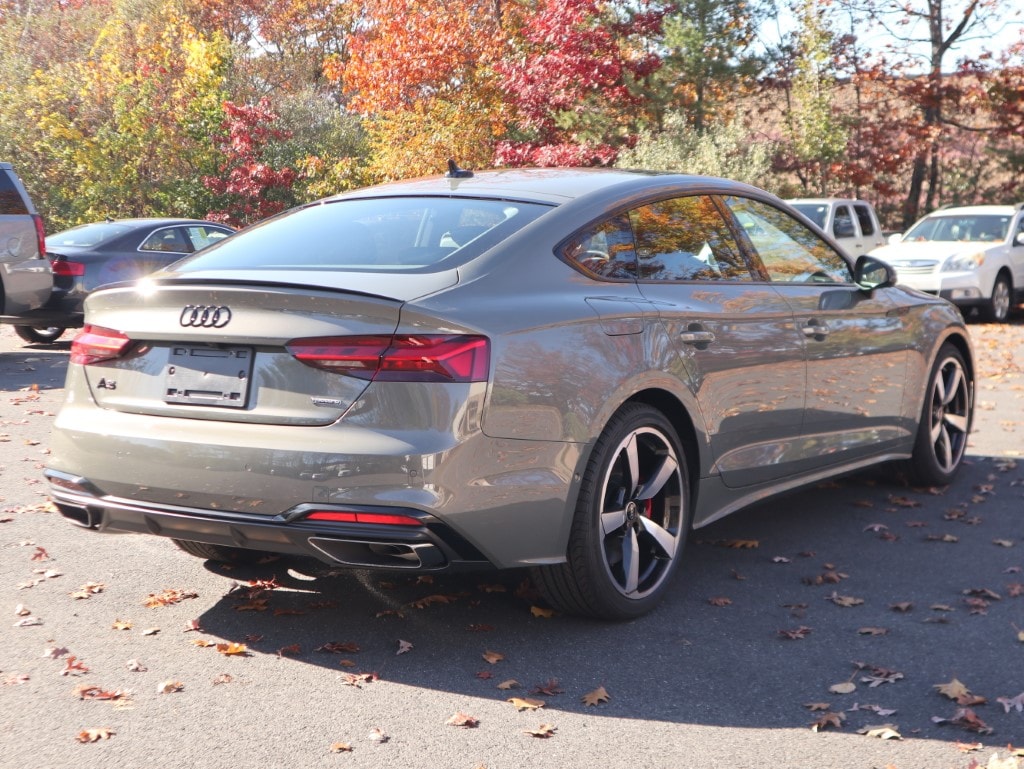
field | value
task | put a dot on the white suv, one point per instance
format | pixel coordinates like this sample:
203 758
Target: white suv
25 275
973 256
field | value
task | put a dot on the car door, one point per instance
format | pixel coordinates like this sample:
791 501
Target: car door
734 336
856 341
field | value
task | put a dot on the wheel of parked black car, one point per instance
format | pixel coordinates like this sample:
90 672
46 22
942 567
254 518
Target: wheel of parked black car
39 334
631 522
997 309
219 553
945 421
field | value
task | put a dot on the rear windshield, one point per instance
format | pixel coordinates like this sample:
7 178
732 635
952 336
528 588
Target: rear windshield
87 235
373 234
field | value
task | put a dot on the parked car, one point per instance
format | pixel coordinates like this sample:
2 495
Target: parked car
25 276
564 370
112 251
852 223
973 256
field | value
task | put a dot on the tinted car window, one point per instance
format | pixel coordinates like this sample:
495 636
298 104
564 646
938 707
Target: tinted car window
685 239
370 234
867 226
87 235
605 250
788 249
842 225
169 240
816 212
10 197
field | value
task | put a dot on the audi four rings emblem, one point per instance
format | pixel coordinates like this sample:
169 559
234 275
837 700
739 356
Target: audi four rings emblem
205 316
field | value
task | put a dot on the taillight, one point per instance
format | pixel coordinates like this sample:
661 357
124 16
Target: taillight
40 235
409 358
342 516
69 269
94 344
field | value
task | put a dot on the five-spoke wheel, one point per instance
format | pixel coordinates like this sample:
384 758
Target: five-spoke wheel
631 521
945 420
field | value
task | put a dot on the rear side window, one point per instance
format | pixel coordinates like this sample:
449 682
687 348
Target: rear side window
605 250
372 234
203 236
867 224
685 239
170 240
10 196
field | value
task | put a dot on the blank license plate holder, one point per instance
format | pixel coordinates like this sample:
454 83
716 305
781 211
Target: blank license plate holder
200 375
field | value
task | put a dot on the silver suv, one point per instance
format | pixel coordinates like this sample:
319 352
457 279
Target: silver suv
25 275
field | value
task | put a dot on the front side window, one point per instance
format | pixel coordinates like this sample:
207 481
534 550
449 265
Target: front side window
168 240
867 224
685 239
789 250
370 234
842 225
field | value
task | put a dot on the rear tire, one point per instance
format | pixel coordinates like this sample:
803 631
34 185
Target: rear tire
219 553
39 334
945 421
631 521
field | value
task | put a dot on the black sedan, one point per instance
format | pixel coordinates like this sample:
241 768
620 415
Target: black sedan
93 255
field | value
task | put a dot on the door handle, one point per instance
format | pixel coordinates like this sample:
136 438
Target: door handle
697 337
814 328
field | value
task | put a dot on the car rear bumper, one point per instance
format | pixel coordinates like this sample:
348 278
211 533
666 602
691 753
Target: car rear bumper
431 546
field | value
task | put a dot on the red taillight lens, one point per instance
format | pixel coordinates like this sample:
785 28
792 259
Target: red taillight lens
70 269
349 517
40 234
94 344
419 358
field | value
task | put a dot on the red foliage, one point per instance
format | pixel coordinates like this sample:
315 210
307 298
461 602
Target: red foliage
250 188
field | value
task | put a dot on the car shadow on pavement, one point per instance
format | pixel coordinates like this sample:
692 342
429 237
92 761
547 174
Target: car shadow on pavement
863 581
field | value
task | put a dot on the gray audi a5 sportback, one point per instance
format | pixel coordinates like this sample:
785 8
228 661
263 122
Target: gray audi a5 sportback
565 370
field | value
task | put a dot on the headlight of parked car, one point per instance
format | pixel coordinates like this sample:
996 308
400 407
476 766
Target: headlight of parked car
963 263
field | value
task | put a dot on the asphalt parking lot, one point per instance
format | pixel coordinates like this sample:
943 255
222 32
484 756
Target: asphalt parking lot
855 624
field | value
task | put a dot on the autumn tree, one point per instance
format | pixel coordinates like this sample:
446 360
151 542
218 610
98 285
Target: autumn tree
817 134
422 73
572 82
708 58
925 36
248 187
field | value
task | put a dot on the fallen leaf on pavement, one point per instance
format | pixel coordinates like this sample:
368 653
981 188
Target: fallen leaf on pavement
828 719
403 647
120 624
883 732
595 697
873 631
95 734
231 649
846 687
966 718
493 657
464 720
169 686
341 747
523 703
543 731
796 634
1012 703
90 692
543 613
377 735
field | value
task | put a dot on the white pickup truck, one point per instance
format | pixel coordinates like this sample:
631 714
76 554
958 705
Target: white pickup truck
852 223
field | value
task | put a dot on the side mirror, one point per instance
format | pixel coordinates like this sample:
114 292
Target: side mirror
896 237
870 273
1019 239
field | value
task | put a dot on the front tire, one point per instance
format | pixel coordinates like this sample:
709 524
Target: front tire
945 421
997 309
631 521
39 334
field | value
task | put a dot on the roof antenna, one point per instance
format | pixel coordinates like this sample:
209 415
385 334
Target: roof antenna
454 172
